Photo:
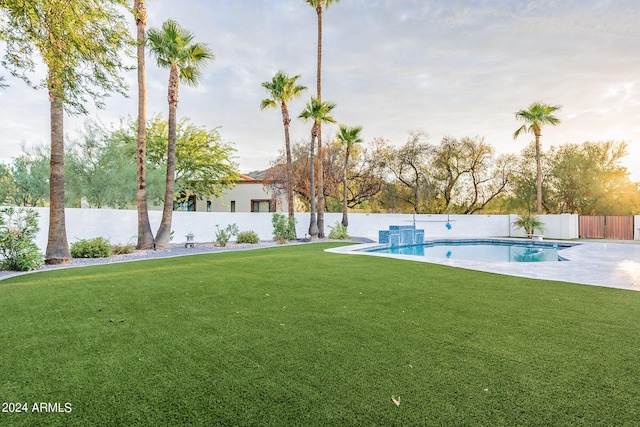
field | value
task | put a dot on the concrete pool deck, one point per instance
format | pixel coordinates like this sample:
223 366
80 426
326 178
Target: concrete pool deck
602 263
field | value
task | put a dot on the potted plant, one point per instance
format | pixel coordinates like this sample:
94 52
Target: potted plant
530 223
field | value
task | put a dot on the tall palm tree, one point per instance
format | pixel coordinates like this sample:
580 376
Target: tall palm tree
318 5
349 137
145 235
318 112
174 48
283 89
80 45
538 115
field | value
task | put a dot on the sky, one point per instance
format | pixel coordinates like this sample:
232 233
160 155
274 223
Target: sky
450 68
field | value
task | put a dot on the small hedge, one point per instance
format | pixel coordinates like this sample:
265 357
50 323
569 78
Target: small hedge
338 232
98 247
247 237
18 229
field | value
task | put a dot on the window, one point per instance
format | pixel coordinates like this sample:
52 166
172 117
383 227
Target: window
188 205
208 205
233 206
261 206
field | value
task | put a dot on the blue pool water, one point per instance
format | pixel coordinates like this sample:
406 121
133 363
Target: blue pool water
481 250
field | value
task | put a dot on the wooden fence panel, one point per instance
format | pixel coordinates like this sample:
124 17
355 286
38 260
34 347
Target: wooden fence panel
591 227
606 227
619 227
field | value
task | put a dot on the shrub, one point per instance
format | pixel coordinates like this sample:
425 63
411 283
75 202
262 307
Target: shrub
122 249
18 229
338 232
284 228
223 235
247 237
98 247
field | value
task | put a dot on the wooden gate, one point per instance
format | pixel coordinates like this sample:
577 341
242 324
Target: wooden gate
606 227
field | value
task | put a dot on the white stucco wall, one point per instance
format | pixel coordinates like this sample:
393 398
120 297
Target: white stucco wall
120 226
562 226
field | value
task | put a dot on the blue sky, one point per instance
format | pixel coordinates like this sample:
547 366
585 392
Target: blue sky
456 68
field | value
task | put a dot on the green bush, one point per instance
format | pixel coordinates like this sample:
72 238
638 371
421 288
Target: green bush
247 237
18 229
98 247
284 228
338 232
223 235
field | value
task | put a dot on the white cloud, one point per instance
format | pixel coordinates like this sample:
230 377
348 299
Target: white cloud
451 68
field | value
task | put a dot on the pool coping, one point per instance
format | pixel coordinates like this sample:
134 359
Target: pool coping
613 265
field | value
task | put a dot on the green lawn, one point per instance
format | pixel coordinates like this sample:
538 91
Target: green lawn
296 336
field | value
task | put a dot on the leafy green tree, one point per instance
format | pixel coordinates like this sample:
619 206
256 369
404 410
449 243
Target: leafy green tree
30 172
80 44
588 179
318 5
348 137
145 235
537 116
204 163
174 48
7 186
318 112
283 89
99 170
522 187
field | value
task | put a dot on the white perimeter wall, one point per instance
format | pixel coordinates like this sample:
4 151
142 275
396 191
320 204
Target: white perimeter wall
120 226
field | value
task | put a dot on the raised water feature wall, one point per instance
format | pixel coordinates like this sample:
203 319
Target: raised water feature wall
401 235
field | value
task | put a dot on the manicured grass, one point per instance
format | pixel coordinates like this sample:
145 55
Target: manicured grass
296 336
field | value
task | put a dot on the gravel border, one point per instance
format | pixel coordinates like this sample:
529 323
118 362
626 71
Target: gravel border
174 250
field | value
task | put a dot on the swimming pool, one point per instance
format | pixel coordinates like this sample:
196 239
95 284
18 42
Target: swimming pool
482 250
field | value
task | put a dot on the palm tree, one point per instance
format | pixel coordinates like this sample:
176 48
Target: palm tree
283 89
535 117
318 112
530 223
347 136
318 6
174 49
145 235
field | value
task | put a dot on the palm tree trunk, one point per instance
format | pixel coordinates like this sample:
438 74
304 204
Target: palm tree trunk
321 200
320 179
286 120
345 221
57 245
163 236
538 176
313 224
145 235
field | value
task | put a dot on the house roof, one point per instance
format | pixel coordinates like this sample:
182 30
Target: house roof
242 177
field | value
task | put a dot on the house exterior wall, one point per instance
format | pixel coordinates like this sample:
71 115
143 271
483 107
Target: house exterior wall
242 194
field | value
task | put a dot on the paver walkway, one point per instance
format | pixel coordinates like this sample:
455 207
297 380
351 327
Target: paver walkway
602 263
